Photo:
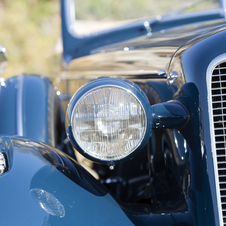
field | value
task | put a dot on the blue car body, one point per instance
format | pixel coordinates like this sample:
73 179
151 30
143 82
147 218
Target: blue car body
35 169
177 178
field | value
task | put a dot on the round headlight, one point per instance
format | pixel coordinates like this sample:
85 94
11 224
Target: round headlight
107 119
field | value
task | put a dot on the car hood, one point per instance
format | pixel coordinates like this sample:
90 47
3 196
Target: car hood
144 55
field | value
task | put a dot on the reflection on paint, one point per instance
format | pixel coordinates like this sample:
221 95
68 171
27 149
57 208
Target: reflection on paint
48 202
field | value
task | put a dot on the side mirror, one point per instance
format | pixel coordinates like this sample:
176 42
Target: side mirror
3 59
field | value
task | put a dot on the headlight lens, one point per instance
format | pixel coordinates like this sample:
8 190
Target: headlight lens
108 122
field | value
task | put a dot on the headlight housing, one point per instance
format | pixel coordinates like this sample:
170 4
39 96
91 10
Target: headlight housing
108 120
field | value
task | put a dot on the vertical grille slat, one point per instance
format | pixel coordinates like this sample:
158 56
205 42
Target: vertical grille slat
218 106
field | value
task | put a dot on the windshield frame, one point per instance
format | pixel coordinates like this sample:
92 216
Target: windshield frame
71 16
75 45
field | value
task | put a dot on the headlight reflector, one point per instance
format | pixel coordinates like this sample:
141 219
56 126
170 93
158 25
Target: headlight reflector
108 122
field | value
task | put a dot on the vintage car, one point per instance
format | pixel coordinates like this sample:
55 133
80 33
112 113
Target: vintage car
151 118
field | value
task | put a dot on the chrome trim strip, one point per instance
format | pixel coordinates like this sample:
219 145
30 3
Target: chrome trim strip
136 74
209 72
19 108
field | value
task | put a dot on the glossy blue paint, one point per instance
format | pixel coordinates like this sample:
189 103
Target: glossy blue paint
199 191
155 219
199 53
32 180
24 107
105 81
143 53
80 46
35 108
171 32
165 91
75 46
177 159
8 107
170 115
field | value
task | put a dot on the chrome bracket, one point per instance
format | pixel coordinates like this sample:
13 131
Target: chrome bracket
172 77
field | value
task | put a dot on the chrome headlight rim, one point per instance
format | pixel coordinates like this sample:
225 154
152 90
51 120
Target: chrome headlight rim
99 83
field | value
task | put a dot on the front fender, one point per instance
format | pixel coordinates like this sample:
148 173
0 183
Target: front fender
40 188
30 108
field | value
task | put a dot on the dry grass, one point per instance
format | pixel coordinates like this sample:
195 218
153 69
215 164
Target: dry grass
29 31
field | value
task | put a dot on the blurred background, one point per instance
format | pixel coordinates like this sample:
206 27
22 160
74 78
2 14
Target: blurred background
29 32
30 29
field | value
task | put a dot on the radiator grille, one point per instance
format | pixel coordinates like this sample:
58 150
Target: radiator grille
218 91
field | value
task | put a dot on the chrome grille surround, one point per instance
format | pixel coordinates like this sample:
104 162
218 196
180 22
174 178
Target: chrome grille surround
216 86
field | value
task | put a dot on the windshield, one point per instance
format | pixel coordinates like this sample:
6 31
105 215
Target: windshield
95 15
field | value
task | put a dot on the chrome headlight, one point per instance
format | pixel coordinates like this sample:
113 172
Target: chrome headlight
108 119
